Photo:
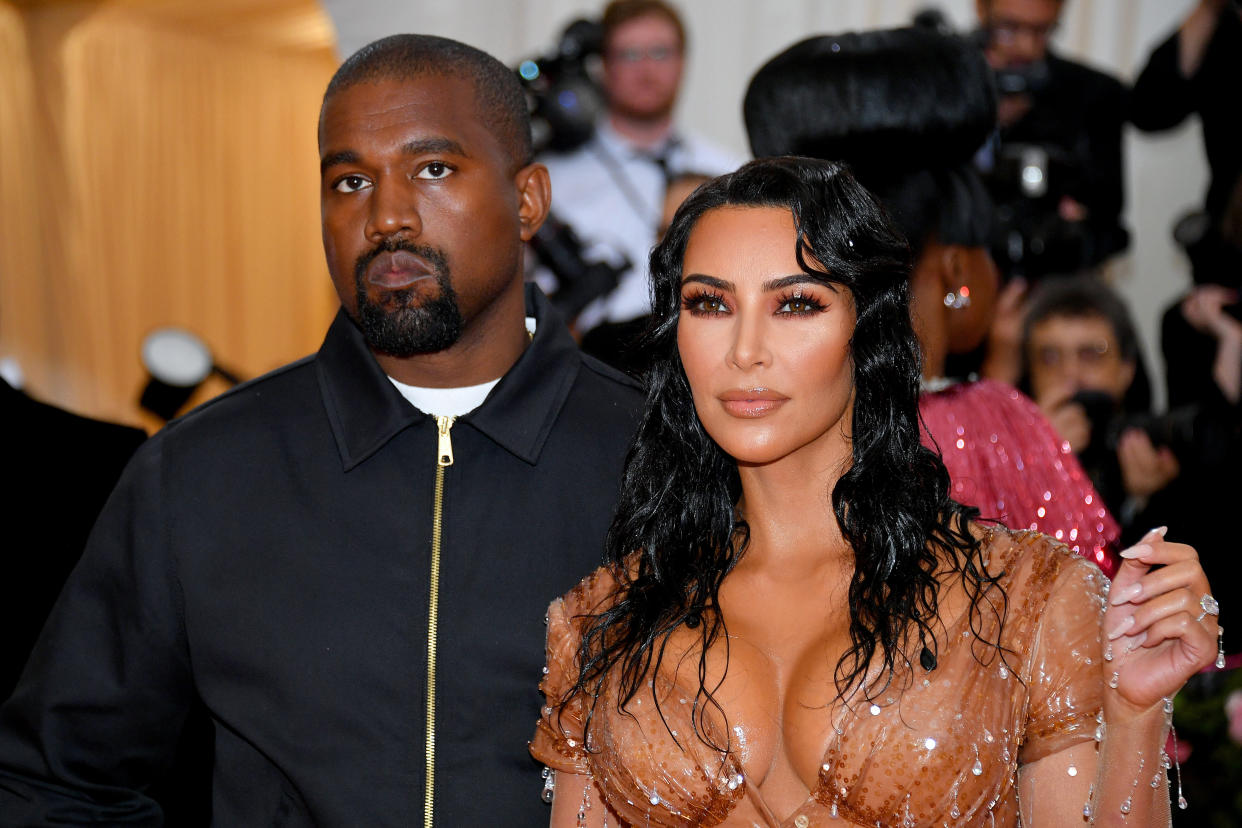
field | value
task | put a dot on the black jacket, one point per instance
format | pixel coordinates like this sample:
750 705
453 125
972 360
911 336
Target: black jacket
59 468
1162 99
269 554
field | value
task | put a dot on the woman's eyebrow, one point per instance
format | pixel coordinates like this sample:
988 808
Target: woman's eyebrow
789 281
710 281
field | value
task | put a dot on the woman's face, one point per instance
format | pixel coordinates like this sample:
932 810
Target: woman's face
765 347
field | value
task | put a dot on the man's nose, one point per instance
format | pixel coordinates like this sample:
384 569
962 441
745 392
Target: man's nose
393 210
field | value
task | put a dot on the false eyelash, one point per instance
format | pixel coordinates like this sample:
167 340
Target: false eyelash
813 304
689 301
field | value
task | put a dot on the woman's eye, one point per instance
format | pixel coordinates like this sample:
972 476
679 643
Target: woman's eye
435 171
351 184
798 306
705 304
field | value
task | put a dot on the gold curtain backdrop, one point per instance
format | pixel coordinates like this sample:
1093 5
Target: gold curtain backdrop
158 166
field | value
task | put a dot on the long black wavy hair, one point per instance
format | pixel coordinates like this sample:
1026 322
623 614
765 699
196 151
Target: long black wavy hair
676 535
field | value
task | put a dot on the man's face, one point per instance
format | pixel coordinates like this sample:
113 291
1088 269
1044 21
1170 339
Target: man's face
1018 30
420 211
1068 354
642 67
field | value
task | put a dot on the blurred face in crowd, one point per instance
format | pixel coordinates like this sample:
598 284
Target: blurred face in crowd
642 68
1018 30
1067 354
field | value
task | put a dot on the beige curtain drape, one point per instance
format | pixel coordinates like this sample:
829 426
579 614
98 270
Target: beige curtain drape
158 166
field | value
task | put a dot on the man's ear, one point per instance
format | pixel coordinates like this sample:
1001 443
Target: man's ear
534 189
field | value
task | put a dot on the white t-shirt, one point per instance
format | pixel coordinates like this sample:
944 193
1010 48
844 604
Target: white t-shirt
451 402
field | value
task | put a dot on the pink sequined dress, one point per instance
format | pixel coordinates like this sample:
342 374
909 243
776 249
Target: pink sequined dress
941 748
1005 459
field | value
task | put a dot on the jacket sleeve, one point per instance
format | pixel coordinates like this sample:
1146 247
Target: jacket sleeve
98 711
1161 97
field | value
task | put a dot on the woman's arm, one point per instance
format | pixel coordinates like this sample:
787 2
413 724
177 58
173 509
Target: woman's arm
1157 635
1111 781
575 794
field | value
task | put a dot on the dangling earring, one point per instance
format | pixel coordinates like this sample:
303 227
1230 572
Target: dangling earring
958 300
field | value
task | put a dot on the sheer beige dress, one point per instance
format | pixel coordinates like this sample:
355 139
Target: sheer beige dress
941 748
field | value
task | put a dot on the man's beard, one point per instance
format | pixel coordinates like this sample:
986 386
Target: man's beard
395 325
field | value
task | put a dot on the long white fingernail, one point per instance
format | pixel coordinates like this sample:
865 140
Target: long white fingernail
1122 625
1121 596
1136 551
1159 531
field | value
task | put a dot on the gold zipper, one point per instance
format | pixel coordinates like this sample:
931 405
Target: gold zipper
444 459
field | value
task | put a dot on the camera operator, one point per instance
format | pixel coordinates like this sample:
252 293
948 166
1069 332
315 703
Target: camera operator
1083 370
1054 168
611 189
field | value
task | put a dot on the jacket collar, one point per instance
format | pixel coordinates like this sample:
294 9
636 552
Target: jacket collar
366 411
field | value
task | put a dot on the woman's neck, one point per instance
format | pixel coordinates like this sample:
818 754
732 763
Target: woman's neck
788 507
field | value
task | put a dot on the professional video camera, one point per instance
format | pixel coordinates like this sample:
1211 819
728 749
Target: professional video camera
578 280
565 99
565 102
1029 180
1030 237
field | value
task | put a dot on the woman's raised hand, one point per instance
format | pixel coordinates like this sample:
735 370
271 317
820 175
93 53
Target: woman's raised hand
1160 626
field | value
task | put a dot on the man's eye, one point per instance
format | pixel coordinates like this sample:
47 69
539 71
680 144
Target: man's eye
351 184
435 171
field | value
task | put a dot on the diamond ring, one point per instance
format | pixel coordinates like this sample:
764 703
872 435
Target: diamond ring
1209 605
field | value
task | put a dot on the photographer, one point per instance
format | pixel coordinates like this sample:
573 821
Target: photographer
1054 168
611 189
1083 369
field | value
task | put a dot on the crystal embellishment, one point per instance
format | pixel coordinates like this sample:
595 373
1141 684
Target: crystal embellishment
1209 605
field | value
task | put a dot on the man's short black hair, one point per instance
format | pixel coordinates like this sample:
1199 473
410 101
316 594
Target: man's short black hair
1082 297
499 97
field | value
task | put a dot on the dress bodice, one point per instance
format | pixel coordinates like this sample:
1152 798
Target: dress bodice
940 747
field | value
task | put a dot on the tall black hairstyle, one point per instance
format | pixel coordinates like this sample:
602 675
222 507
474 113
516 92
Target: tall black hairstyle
498 95
906 108
676 534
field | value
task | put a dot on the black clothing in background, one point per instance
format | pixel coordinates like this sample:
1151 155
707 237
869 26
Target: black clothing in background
60 468
269 554
1162 98
1077 115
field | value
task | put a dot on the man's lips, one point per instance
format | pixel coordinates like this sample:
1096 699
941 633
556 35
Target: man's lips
398 269
751 402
